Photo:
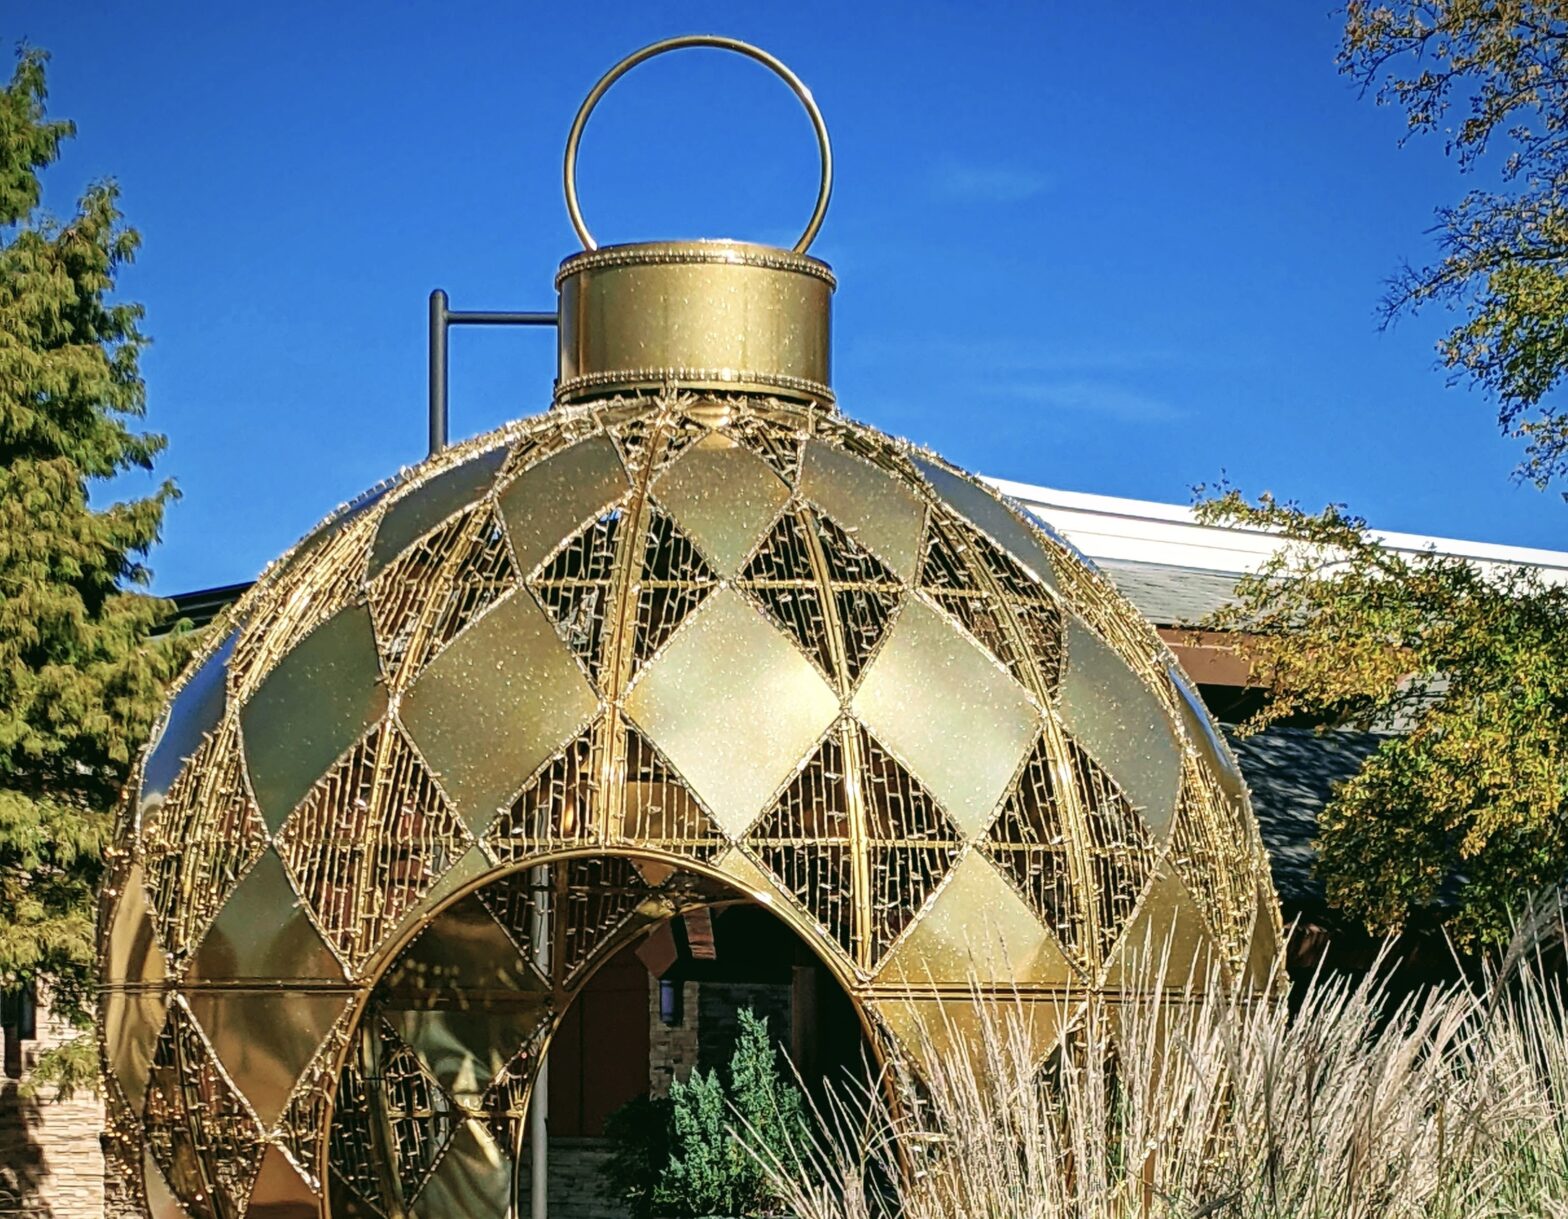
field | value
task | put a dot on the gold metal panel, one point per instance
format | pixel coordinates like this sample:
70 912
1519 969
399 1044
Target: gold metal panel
133 1019
424 507
1205 736
465 1051
280 1192
473 1179
883 514
546 503
309 709
263 932
1167 927
986 511
489 710
132 954
724 496
1113 714
729 686
266 1039
192 715
463 949
949 711
161 1202
977 930
472 864
704 314
752 880
1265 947
942 1027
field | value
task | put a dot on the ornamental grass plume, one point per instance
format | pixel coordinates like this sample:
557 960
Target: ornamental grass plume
1348 1104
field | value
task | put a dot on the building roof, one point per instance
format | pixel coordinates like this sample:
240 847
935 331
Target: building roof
1111 529
1292 773
1171 596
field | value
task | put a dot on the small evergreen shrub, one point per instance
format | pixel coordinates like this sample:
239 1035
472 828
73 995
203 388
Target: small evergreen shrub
697 1154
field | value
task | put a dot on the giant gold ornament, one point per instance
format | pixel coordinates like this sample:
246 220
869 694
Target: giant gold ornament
690 635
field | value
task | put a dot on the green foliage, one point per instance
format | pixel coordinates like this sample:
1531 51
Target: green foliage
79 683
63 1069
1464 813
721 1144
707 1173
1503 253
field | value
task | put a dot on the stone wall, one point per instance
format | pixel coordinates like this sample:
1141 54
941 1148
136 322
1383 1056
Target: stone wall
672 1049
718 1017
577 1184
51 1164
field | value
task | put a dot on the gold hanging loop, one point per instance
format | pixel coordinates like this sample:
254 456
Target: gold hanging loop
719 42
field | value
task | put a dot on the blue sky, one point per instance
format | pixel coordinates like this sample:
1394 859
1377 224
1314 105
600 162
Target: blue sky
1119 248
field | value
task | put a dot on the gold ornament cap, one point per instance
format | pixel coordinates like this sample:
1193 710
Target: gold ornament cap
720 315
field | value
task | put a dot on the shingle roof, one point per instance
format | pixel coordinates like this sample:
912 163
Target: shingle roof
1292 773
1171 596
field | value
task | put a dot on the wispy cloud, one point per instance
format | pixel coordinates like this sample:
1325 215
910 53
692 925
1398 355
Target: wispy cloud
1091 397
971 182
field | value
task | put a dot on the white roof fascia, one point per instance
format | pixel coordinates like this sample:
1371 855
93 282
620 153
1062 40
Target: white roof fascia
1145 531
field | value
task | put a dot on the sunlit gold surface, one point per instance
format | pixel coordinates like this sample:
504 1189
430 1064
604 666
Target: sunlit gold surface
720 315
768 652
688 637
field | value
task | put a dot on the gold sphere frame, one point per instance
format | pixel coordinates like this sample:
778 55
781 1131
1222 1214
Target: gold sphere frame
688 637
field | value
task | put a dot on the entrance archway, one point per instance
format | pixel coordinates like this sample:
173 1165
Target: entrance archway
438 1069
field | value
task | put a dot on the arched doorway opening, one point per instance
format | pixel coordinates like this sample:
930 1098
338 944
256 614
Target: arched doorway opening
625 971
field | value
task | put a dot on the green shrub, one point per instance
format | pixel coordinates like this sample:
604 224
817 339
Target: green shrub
699 1153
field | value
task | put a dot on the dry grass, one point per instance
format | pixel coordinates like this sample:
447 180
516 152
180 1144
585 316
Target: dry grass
1450 1103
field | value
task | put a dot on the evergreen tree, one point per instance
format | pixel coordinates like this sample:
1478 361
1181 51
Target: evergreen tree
80 684
701 1177
718 1143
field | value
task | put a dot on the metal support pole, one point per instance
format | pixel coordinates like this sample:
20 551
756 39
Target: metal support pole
539 1099
441 319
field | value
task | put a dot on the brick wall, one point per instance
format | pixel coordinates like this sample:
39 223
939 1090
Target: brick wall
51 1165
672 1049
